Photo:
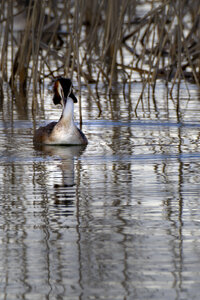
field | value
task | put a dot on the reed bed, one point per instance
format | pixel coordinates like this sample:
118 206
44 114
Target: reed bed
100 42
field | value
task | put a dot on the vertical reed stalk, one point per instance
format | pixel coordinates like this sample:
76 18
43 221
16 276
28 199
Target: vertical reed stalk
77 37
82 38
117 39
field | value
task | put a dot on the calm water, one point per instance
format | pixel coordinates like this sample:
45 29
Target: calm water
119 219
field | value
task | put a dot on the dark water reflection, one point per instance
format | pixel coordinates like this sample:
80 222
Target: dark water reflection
116 220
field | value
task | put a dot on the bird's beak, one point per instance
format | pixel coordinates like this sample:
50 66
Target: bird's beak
71 95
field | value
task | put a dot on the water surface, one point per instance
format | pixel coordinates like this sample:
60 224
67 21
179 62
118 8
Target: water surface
118 219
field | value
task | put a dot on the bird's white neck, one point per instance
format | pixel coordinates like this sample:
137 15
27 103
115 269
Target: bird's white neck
68 111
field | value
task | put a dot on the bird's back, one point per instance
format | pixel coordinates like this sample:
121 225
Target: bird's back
42 134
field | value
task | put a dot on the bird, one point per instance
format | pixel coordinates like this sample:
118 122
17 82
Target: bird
65 131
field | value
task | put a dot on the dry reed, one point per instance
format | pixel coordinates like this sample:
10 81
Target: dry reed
91 39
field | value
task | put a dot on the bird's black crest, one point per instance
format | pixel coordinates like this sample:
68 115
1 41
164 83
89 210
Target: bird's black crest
66 85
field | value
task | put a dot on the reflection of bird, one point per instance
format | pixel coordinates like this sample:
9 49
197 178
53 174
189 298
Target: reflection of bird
67 156
63 176
63 132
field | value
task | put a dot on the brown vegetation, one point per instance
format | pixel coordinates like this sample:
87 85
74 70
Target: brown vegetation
100 41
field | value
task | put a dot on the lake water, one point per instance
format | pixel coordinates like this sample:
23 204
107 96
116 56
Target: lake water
119 219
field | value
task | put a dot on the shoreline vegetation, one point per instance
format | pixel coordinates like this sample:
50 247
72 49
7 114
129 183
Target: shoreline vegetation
99 42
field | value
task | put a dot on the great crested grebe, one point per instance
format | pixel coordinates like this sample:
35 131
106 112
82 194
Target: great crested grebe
63 132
